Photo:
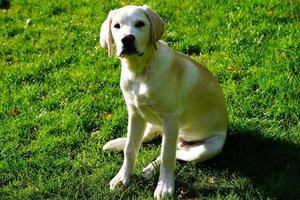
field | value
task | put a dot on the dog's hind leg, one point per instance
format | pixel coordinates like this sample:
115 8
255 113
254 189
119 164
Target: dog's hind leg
201 151
115 145
151 133
151 168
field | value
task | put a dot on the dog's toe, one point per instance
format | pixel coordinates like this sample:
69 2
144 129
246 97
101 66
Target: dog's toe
164 189
122 178
147 172
151 168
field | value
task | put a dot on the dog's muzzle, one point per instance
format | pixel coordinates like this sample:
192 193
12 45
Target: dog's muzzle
128 46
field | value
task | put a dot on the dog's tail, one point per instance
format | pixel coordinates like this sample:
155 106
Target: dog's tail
115 145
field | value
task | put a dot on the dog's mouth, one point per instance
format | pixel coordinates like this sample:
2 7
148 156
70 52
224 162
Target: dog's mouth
129 50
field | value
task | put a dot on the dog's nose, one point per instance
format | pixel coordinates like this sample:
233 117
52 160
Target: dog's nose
128 40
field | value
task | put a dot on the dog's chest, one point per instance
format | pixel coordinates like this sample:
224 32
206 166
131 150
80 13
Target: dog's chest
140 96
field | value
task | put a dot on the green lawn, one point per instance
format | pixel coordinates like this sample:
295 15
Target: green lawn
60 99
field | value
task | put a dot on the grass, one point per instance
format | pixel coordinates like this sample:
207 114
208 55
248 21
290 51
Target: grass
60 99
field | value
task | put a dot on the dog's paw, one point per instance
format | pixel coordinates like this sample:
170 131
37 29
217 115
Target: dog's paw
122 178
147 172
150 170
164 188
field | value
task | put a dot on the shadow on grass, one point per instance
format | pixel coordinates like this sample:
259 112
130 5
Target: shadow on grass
271 165
4 4
251 166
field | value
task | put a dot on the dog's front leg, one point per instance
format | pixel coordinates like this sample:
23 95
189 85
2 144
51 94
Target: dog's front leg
166 180
135 131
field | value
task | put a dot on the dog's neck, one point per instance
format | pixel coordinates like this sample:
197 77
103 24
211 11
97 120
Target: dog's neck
138 65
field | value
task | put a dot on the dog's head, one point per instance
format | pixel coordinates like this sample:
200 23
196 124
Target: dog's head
133 29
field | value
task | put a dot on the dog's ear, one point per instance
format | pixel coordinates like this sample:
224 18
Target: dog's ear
105 33
157 25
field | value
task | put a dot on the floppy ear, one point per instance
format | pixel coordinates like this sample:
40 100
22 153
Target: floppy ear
157 25
105 33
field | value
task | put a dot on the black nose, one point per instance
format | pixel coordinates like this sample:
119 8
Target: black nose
128 40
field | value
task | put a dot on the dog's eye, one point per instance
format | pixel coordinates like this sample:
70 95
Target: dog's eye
117 26
139 24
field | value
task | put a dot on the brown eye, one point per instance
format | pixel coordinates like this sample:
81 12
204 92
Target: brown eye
117 26
139 24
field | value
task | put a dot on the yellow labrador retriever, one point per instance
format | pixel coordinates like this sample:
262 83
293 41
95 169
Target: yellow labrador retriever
166 93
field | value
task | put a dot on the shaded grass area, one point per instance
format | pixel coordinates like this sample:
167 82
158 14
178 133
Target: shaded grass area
60 99
268 163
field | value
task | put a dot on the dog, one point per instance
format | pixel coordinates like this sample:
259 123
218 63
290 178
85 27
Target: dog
166 93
